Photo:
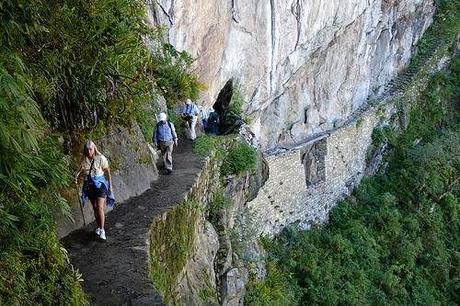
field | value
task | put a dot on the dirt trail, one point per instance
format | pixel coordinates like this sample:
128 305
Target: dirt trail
116 272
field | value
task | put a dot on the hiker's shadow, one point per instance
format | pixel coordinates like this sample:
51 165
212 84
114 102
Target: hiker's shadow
81 238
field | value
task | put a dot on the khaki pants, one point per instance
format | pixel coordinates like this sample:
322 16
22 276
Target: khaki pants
166 149
190 130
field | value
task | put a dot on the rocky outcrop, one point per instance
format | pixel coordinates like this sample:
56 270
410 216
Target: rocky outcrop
199 251
302 66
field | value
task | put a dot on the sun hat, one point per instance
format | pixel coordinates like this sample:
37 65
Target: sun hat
162 117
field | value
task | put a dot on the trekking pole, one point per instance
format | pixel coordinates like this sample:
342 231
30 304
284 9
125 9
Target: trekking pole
81 205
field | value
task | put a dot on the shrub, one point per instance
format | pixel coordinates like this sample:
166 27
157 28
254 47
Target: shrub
172 76
236 103
219 201
240 158
204 145
88 62
278 289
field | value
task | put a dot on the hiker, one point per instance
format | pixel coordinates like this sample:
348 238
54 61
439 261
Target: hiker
95 186
204 118
213 122
190 116
164 138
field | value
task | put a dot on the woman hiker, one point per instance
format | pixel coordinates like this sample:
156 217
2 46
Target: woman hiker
95 186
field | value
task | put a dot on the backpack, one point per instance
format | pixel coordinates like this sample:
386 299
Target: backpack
156 129
169 124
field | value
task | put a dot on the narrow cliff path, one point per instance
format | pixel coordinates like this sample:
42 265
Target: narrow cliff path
116 272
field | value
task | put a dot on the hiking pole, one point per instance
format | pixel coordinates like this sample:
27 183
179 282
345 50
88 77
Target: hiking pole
81 205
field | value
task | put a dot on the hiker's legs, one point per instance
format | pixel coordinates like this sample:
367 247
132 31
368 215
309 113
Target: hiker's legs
192 127
167 157
188 124
96 211
166 151
100 210
162 149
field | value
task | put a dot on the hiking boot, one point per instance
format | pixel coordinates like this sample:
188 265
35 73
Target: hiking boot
102 235
168 171
98 231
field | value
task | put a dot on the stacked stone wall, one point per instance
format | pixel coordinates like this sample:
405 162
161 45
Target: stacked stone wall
303 189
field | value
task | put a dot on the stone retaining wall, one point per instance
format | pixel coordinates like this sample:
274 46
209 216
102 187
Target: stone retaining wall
305 183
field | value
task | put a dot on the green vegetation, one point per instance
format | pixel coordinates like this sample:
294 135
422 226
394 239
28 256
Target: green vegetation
171 240
278 289
172 77
237 156
440 34
236 103
240 158
34 268
85 62
395 240
177 121
204 145
219 202
146 120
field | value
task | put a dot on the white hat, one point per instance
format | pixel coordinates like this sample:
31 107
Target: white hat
188 101
162 117
89 144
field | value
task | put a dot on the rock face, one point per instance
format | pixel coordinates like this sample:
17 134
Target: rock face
304 69
307 181
302 66
199 250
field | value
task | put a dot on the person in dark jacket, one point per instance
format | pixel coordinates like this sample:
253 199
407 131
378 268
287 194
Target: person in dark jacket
164 138
213 122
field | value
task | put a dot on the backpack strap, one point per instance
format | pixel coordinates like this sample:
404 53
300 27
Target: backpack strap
169 124
90 168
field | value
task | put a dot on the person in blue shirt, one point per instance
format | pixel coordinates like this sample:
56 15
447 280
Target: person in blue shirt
164 138
190 116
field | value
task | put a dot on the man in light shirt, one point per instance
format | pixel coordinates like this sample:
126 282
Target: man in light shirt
190 116
164 138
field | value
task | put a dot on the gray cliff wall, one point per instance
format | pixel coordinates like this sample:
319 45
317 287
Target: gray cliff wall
302 66
306 181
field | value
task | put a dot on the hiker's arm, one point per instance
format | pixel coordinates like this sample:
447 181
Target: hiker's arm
173 133
107 171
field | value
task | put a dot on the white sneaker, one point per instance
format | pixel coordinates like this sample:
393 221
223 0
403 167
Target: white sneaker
98 231
102 235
